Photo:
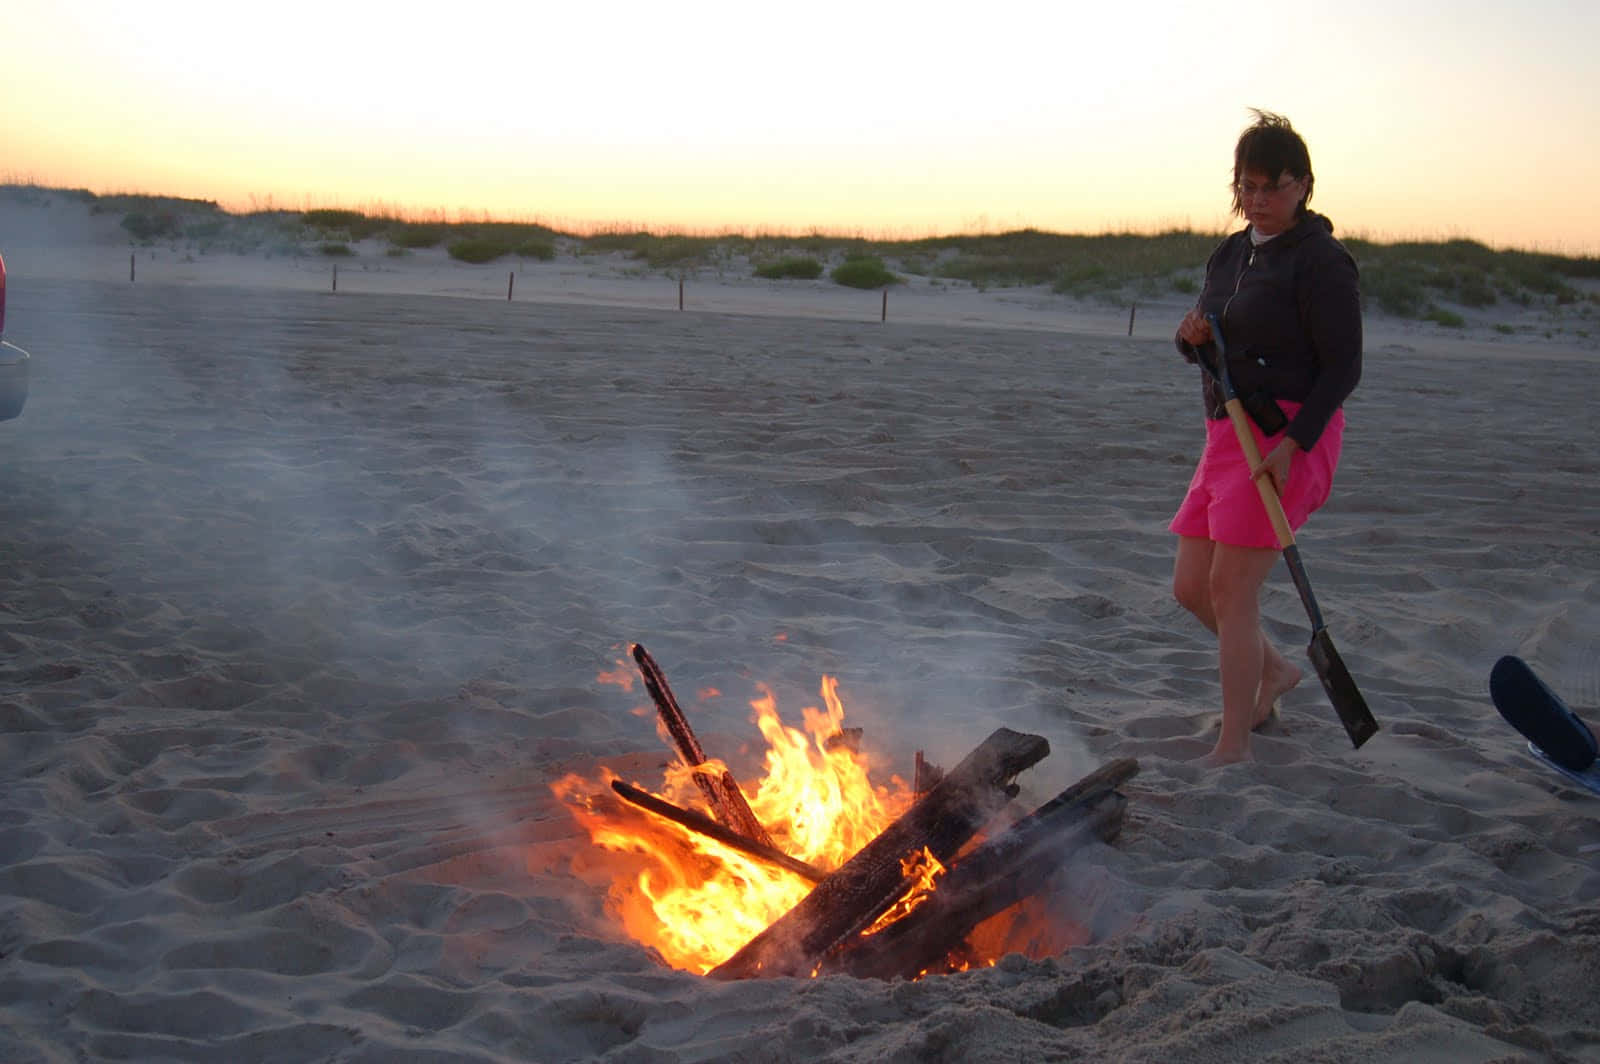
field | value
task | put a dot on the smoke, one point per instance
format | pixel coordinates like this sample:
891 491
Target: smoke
398 498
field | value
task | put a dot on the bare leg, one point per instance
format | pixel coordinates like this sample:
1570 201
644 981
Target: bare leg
1237 574
1191 579
1191 585
1202 565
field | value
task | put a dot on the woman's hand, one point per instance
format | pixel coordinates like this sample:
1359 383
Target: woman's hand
1194 329
1276 465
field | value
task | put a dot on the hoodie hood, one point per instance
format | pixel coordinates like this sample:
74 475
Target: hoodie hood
1310 224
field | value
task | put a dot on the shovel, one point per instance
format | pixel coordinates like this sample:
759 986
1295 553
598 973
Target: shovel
1336 679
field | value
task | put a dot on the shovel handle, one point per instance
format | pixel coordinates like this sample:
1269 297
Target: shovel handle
1252 454
1247 440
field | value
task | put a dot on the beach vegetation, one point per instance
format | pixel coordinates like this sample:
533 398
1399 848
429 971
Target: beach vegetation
796 267
146 228
1444 316
610 241
478 249
416 236
863 271
481 242
537 247
1072 264
127 203
33 194
1396 286
336 249
664 252
354 224
1406 278
659 252
1409 279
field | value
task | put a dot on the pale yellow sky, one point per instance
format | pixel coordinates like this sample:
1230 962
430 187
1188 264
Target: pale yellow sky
1432 120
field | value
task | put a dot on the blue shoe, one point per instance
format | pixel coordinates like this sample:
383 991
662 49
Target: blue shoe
1540 715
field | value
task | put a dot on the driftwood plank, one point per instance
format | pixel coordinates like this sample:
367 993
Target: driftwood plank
722 791
863 887
990 879
1107 777
704 825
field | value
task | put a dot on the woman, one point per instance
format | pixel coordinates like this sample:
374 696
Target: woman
1286 295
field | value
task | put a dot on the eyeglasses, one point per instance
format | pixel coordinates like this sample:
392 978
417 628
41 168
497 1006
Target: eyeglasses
1246 190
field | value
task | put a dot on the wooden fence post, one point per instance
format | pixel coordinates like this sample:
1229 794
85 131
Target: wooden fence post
885 315
511 281
1131 310
336 277
131 256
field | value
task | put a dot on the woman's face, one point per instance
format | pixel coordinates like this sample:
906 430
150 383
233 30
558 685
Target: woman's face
1270 203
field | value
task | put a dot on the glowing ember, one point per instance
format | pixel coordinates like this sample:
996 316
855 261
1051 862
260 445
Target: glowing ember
921 868
696 901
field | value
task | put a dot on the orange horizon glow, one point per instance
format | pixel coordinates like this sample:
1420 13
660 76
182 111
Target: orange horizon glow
585 223
890 122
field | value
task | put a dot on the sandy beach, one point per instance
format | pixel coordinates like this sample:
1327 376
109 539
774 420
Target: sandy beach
306 596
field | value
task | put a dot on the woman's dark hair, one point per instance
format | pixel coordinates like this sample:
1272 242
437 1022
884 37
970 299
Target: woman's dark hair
1270 146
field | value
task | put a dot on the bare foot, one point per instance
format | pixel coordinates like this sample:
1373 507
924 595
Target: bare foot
1277 678
1219 757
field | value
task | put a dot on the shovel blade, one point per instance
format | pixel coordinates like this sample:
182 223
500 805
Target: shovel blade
1357 719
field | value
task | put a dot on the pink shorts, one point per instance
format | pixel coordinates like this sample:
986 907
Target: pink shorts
1223 505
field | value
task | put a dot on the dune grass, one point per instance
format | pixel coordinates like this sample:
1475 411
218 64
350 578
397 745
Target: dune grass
1422 280
863 271
482 242
417 236
351 224
1410 279
478 249
798 267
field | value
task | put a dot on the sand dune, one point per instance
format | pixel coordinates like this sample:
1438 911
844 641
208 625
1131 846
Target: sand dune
304 596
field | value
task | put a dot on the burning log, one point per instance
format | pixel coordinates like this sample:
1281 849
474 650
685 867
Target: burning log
865 886
721 790
845 739
991 879
704 825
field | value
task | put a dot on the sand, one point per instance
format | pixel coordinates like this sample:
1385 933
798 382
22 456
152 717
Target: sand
304 597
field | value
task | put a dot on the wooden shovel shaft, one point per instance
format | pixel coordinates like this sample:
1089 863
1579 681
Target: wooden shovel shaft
1275 514
1252 454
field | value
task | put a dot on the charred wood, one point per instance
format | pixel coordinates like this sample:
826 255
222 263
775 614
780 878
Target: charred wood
987 881
704 825
844 739
924 775
854 895
722 791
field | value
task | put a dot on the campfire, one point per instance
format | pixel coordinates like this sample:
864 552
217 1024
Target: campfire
817 868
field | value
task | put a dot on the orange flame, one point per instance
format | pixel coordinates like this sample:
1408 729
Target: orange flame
922 868
697 901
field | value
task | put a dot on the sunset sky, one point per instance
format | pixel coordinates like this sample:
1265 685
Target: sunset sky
1428 119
